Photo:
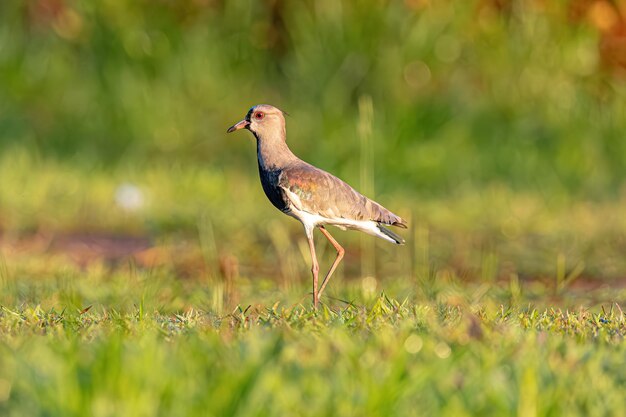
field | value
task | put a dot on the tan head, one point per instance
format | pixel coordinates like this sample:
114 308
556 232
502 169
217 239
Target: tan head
264 121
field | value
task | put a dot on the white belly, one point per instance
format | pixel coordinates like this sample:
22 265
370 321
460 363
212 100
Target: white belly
310 221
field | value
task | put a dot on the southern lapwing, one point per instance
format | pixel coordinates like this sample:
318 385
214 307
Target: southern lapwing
311 195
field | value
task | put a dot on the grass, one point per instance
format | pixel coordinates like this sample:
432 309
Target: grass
119 339
387 357
491 233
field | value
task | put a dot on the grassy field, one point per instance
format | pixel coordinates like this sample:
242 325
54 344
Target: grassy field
152 344
163 310
143 272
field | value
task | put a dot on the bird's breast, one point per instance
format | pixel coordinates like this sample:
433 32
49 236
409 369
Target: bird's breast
269 181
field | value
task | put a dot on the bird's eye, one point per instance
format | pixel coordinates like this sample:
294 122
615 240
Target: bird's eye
259 115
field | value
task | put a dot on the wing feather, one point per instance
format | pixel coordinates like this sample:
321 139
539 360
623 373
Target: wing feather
318 192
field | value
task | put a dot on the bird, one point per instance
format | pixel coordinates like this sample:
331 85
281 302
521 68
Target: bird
314 197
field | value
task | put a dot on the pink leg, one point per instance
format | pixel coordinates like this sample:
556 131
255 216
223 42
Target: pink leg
340 252
314 267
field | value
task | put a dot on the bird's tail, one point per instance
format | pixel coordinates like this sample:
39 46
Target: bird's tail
389 235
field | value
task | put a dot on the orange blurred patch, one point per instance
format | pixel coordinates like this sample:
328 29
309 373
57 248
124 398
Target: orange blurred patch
603 16
609 18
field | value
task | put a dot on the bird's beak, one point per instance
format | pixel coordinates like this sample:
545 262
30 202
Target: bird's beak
244 123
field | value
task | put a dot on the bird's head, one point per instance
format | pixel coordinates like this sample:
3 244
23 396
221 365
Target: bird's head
264 121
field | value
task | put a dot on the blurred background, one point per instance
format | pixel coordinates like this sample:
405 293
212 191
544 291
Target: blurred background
496 127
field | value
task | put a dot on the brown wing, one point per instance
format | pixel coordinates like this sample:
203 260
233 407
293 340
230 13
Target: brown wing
322 193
